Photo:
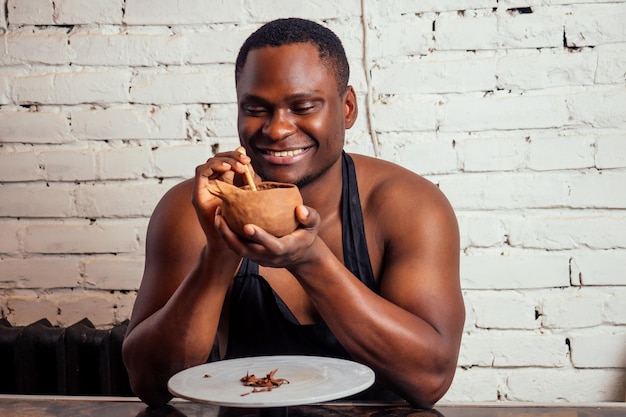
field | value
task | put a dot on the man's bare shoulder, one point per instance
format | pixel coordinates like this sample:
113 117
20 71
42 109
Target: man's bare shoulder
174 215
381 178
400 199
176 199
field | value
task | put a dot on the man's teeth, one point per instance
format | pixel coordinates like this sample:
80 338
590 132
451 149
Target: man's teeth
286 153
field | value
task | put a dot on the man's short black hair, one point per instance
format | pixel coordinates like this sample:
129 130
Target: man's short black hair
294 30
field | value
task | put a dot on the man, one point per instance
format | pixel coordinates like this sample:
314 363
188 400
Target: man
371 274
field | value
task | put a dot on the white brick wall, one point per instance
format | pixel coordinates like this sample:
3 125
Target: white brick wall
515 109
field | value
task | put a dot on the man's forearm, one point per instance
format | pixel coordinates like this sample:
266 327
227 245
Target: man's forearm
180 334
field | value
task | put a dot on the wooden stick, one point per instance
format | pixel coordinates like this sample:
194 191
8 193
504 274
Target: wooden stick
246 171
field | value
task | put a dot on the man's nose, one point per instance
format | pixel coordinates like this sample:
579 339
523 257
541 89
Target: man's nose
279 125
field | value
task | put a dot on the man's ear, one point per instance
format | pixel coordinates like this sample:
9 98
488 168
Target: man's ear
351 109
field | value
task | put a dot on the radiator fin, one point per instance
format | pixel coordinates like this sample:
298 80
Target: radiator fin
77 360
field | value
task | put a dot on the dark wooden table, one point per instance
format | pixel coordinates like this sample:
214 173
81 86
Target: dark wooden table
42 406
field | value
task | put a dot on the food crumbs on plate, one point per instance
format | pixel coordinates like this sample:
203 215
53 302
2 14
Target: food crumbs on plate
206 376
264 384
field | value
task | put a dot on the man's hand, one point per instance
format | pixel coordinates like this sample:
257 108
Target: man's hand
224 167
268 250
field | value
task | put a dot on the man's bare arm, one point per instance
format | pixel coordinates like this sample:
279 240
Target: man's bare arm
410 333
188 270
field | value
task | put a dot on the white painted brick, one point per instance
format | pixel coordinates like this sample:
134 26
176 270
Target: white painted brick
493 154
567 309
571 152
480 230
30 12
591 231
120 49
600 268
215 83
70 165
601 108
503 310
598 351
137 122
26 308
34 127
456 32
45 273
31 45
212 121
360 142
65 12
9 232
470 315
166 12
214 46
475 113
590 25
403 7
113 273
506 5
124 306
472 385
398 113
514 271
541 29
125 163
323 9
3 20
546 69
80 237
73 87
420 157
598 190
66 308
118 199
513 350
404 35
574 386
19 166
4 91
611 63
493 191
615 308
226 144
422 76
180 161
73 12
611 151
350 31
98 307
36 200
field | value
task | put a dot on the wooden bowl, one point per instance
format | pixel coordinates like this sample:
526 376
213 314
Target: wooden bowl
271 207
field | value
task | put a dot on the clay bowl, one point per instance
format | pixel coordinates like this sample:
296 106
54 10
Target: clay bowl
271 207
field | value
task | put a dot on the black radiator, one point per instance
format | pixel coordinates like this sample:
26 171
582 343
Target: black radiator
77 360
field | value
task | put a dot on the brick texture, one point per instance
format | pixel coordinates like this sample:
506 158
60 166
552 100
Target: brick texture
516 110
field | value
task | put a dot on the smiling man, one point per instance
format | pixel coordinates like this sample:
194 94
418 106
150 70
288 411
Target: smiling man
371 274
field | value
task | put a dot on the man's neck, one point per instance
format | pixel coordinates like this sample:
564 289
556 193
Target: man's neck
324 194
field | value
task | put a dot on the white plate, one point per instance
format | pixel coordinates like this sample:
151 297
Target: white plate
312 379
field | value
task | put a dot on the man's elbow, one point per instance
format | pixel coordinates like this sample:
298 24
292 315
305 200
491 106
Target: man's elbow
428 390
428 394
144 385
151 395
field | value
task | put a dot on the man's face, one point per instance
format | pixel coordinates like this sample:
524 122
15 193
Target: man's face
291 119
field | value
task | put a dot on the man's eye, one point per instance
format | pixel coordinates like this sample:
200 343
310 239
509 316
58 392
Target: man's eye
254 110
304 108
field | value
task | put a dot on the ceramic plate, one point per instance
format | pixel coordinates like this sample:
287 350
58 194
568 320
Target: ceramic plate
312 379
